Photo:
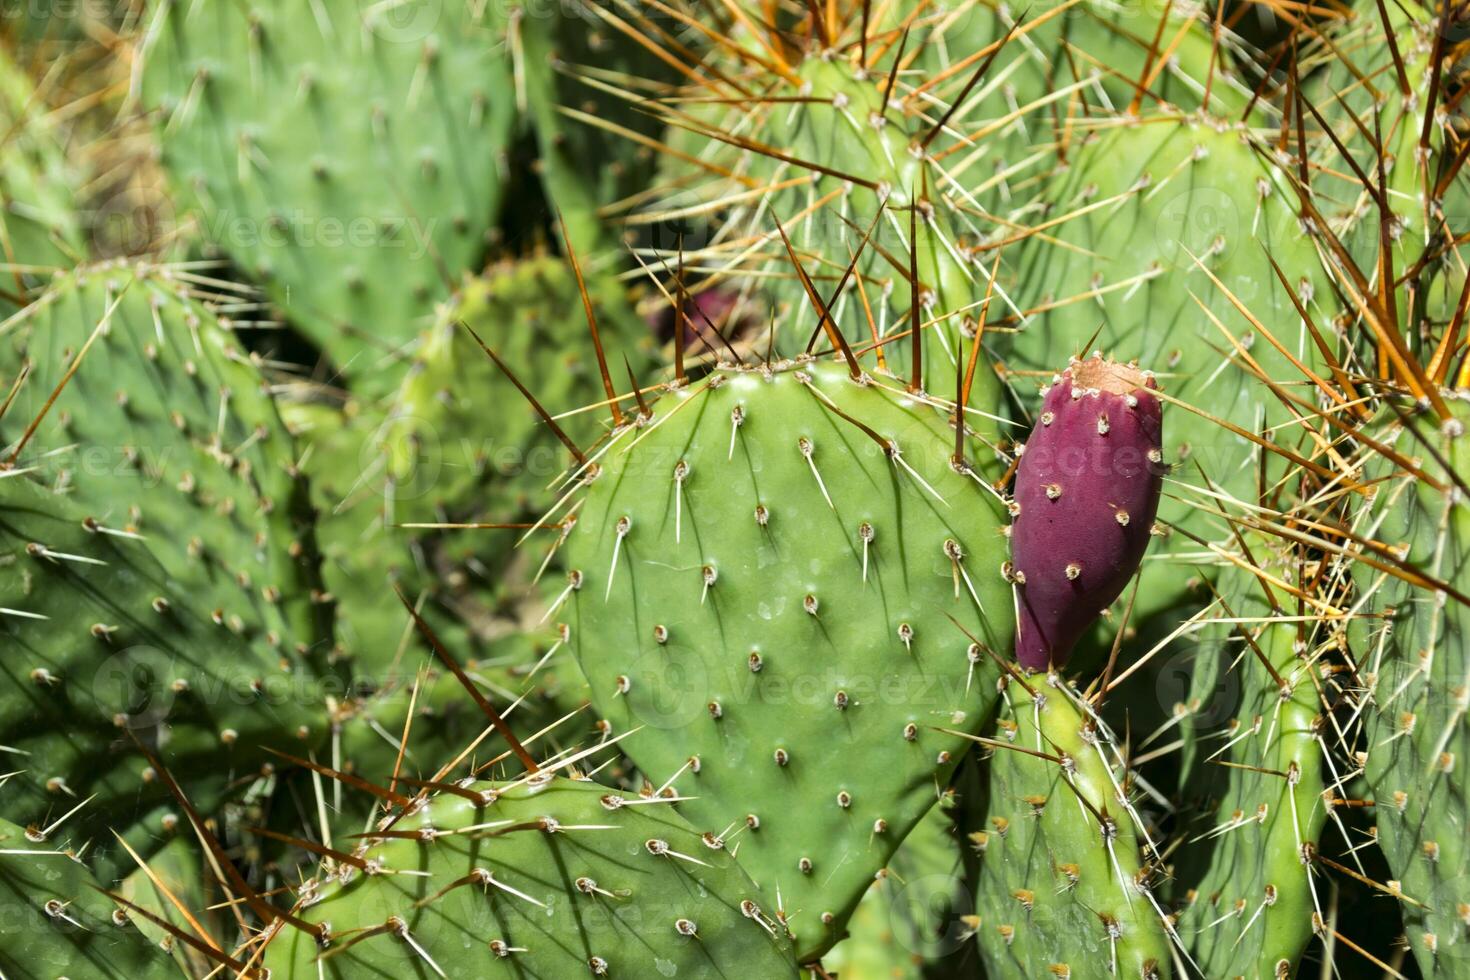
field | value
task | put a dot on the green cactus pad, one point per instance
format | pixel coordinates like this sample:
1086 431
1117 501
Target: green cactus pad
766 596
456 443
546 877
346 155
189 600
1416 665
1064 886
1253 901
57 923
1133 212
911 923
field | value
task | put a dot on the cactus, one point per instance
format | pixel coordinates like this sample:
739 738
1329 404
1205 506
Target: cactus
1251 900
39 226
1185 191
545 875
1087 489
1065 879
912 919
1415 665
455 444
751 674
345 156
174 532
58 922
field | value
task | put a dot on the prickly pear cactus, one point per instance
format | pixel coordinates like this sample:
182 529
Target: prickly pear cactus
544 876
1251 902
1133 213
347 156
1416 663
165 577
57 923
1065 869
912 921
39 225
760 594
456 443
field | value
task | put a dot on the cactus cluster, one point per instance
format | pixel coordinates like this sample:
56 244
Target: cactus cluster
631 488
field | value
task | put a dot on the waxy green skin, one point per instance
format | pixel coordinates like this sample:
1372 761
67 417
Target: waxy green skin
628 917
909 924
850 128
1076 865
190 611
346 156
57 924
1145 200
1249 892
754 666
1417 664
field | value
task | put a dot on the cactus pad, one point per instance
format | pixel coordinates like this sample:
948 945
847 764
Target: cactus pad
766 594
346 156
542 877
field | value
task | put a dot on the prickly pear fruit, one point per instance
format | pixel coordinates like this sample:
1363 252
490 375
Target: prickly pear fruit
1087 490
544 877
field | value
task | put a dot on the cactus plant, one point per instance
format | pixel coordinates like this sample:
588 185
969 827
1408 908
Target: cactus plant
142 537
1415 668
744 674
411 113
544 874
58 922
1065 871
1252 902
39 225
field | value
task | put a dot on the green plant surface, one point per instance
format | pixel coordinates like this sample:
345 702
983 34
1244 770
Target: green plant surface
346 156
40 227
761 596
57 923
161 575
1140 206
545 876
1415 664
1064 884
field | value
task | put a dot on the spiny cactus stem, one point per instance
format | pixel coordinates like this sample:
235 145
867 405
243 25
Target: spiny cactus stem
974 79
916 338
448 660
825 321
71 371
346 778
220 860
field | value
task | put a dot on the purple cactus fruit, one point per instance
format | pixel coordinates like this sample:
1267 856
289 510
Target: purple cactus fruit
717 308
1086 494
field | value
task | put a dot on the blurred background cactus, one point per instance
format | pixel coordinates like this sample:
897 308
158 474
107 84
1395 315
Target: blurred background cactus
542 489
